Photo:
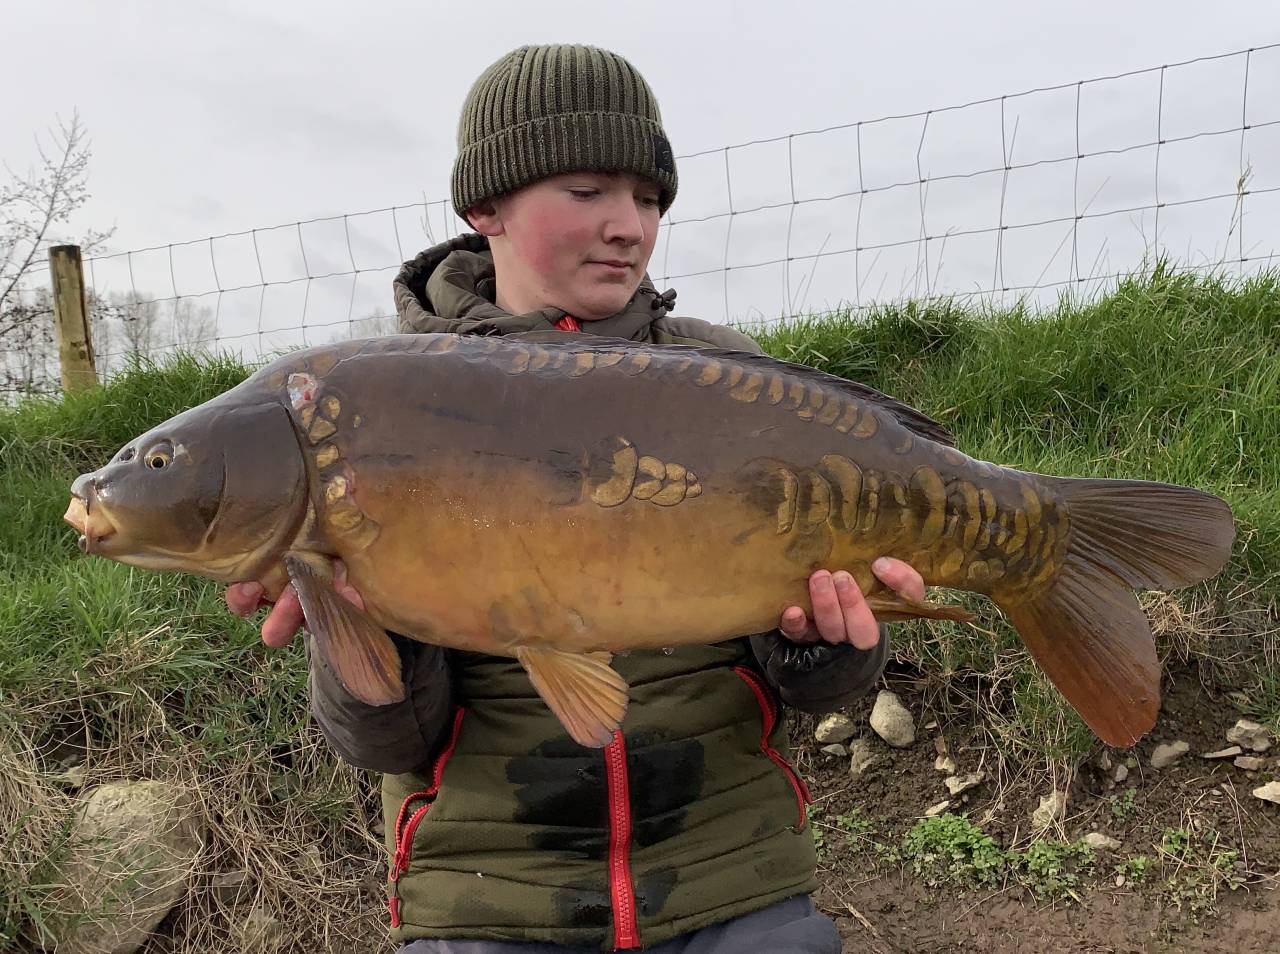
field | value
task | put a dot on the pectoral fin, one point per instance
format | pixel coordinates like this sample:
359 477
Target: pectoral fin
891 607
586 694
356 648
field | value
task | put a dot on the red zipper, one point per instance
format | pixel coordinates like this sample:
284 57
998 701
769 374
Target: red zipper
405 829
626 933
769 713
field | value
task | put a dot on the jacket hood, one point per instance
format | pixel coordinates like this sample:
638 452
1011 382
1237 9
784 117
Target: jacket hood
450 287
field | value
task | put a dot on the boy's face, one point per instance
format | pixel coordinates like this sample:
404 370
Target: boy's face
579 242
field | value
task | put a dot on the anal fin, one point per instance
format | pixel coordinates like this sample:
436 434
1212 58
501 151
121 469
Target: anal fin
357 649
891 607
587 695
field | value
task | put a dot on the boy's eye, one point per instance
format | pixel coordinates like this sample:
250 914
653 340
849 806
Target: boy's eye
582 193
648 201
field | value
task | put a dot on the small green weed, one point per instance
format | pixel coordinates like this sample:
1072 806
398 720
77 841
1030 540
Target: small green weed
1052 869
950 849
1122 804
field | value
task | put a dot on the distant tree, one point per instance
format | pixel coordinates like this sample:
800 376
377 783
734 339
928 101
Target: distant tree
373 325
191 326
35 210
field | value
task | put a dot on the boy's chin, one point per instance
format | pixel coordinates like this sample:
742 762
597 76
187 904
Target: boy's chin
602 306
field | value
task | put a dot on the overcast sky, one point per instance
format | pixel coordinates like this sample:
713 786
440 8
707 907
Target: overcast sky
209 118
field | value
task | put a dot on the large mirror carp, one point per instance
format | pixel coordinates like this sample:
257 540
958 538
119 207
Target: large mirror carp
560 498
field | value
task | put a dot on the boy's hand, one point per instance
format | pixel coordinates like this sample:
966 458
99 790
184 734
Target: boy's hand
840 613
285 618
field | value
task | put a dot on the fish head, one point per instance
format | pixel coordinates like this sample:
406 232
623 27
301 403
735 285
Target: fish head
216 490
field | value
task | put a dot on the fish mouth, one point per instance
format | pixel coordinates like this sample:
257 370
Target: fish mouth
86 515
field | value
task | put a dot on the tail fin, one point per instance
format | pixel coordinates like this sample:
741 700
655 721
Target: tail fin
1085 628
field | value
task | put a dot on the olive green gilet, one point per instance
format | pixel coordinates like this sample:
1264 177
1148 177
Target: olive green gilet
532 837
517 832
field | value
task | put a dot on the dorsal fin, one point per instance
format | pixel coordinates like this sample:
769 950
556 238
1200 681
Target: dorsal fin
913 420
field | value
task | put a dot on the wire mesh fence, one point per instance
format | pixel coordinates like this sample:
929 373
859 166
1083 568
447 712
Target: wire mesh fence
1025 195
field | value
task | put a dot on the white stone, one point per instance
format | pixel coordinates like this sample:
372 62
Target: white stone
1250 763
260 932
891 720
835 728
1104 760
938 809
862 755
1250 735
836 749
1121 773
1053 808
1227 753
1100 842
945 764
1165 755
957 784
130 852
1269 792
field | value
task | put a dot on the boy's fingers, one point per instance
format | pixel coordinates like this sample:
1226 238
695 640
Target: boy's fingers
828 614
794 624
284 620
858 623
899 576
243 599
345 589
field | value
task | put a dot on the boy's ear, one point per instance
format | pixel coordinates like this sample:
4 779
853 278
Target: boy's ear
485 218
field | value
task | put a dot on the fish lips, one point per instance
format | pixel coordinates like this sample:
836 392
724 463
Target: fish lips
86 514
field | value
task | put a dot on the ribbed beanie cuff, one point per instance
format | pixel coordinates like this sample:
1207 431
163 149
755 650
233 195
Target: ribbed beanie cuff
544 111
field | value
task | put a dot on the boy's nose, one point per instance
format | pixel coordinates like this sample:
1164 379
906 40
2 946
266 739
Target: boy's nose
624 223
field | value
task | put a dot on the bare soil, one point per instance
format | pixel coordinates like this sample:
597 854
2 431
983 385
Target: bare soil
1199 900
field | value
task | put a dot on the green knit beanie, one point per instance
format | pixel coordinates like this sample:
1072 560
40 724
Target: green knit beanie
545 110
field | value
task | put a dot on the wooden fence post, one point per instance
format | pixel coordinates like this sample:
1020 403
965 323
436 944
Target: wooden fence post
71 317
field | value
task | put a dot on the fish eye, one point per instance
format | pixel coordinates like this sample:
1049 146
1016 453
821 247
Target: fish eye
159 456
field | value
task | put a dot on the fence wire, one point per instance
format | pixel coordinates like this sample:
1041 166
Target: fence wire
1027 195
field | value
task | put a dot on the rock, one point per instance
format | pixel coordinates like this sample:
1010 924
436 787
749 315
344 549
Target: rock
1226 753
1053 808
930 726
131 848
891 721
1121 773
835 728
862 755
945 764
1104 761
940 745
1250 763
1250 735
938 809
836 749
1269 792
1165 755
260 932
956 784
229 887
73 776
1100 842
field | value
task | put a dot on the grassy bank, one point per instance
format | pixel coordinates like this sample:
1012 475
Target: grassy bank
107 672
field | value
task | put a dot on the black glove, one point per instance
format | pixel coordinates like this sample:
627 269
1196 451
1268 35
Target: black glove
819 677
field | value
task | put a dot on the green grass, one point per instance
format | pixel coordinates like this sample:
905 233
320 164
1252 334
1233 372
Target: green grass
135 674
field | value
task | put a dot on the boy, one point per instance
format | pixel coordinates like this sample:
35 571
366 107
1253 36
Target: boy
688 831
